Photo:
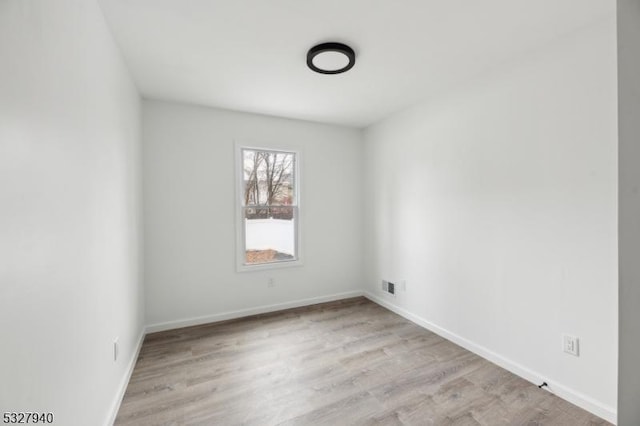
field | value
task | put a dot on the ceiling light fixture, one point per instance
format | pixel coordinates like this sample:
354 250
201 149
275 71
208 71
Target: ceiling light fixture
331 58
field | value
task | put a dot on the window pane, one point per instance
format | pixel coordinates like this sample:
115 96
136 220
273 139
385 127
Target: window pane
270 234
268 178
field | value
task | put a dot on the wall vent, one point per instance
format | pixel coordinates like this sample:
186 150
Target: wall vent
389 287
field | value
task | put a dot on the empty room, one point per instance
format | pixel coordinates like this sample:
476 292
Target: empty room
355 212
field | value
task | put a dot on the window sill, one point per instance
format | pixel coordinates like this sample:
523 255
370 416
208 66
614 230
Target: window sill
269 265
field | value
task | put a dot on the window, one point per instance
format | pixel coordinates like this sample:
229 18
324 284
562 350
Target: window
268 208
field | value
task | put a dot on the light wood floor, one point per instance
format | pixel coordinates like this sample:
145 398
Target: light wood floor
342 363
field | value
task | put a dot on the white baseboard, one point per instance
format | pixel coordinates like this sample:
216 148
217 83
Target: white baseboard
124 382
170 325
564 392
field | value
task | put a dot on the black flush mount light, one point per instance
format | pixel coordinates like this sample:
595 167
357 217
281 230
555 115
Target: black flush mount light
331 58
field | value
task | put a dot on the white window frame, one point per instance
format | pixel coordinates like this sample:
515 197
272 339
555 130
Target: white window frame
241 266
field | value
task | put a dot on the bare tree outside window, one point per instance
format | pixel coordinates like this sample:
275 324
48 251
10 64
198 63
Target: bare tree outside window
270 206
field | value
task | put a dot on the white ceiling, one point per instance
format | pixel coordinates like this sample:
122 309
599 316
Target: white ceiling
250 55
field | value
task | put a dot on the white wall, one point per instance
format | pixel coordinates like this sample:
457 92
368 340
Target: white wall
189 184
497 205
69 216
629 210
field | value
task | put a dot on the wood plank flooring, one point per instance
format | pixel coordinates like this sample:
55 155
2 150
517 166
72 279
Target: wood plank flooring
350 362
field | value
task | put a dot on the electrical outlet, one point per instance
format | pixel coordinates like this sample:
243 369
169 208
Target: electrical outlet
271 282
570 345
115 349
385 286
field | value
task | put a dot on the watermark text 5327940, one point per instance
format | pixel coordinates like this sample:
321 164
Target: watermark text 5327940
26 417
